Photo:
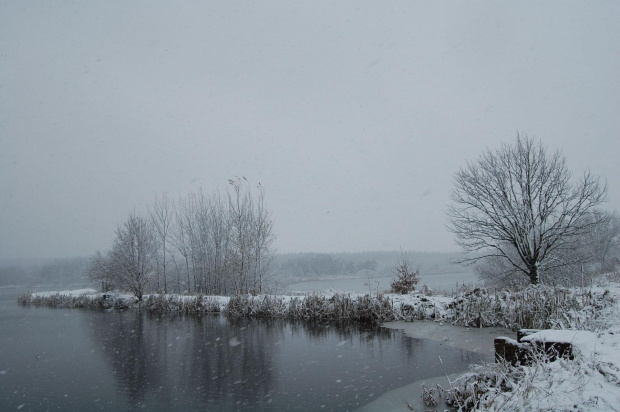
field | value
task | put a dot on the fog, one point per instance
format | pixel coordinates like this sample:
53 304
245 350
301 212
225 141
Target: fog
354 116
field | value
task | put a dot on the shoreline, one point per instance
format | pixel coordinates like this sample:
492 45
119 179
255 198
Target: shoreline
409 397
476 340
478 307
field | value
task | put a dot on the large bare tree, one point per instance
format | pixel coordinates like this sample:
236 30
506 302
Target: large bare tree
519 204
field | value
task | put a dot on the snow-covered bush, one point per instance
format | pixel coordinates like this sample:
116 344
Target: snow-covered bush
179 303
62 301
535 307
585 383
406 277
368 309
247 306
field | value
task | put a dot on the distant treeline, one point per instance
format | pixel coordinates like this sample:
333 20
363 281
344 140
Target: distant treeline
289 266
47 272
317 265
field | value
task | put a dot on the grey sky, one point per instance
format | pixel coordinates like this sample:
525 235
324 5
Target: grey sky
354 115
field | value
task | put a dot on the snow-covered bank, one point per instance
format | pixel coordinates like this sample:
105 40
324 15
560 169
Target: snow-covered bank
589 382
409 397
540 307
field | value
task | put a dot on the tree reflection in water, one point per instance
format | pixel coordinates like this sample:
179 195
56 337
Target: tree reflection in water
173 361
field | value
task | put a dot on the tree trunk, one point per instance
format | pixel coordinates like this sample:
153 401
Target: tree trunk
534 276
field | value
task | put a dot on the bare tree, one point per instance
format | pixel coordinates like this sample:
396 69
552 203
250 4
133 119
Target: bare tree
216 244
263 238
161 215
132 254
182 235
100 272
220 245
241 214
518 204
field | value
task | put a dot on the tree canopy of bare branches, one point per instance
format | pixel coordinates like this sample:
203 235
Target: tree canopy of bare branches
209 244
519 204
132 257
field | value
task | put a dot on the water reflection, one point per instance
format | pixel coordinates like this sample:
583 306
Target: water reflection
163 362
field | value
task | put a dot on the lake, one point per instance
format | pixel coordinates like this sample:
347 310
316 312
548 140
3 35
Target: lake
438 282
78 360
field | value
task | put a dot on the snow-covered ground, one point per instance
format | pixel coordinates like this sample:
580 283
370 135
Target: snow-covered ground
590 382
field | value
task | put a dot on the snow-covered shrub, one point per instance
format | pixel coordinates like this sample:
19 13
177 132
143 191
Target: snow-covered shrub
24 299
420 307
535 307
429 396
255 307
585 383
157 303
406 277
61 301
374 309
178 303
369 309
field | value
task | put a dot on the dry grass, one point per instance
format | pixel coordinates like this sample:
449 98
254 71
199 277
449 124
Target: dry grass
366 309
535 307
173 303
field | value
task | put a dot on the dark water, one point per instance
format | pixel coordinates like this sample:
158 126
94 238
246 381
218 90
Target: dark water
82 360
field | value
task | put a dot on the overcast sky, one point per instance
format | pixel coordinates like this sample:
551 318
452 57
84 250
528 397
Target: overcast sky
354 115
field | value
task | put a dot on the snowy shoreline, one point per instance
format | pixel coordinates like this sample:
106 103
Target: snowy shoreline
534 307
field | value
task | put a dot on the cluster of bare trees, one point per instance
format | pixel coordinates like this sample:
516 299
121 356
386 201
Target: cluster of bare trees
212 244
519 216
